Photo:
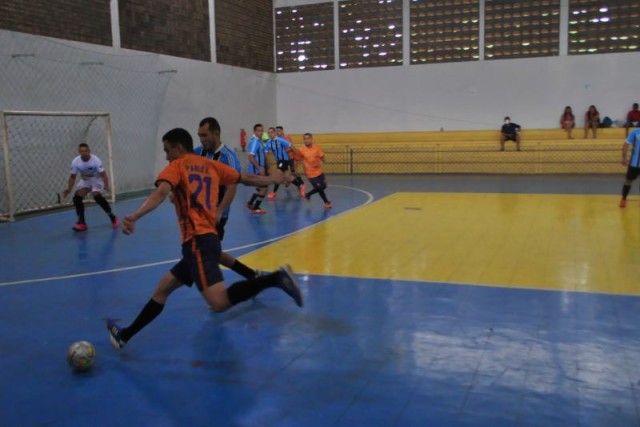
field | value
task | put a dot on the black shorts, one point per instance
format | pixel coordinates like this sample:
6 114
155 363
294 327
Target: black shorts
513 137
632 173
283 165
319 182
200 262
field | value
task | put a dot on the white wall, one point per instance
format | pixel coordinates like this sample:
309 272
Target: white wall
237 97
46 74
468 95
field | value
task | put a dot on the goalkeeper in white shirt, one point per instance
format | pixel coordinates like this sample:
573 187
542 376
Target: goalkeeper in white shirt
94 180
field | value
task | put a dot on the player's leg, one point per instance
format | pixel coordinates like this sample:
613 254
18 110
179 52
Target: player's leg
632 175
259 197
221 299
233 264
78 197
517 140
321 185
167 284
503 138
104 204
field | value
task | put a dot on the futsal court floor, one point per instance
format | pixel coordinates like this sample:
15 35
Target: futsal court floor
429 301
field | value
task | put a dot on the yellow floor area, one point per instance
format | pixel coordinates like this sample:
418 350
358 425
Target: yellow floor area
558 242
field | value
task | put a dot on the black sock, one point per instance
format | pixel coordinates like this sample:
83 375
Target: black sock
253 198
243 270
324 196
77 202
275 188
103 204
245 289
259 200
149 312
311 193
298 181
625 190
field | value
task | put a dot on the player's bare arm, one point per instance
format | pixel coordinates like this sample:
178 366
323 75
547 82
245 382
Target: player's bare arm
105 179
262 180
72 180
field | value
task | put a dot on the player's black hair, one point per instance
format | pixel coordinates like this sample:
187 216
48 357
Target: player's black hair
179 136
211 123
256 126
280 128
83 144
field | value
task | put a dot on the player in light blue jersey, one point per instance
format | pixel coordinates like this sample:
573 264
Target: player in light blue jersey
280 147
258 166
632 162
213 148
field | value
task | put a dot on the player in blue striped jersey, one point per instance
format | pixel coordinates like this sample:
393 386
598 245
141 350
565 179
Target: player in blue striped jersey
213 148
632 162
258 166
280 147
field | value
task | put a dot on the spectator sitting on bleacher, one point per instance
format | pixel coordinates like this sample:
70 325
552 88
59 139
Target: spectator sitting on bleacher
509 132
633 119
568 121
591 121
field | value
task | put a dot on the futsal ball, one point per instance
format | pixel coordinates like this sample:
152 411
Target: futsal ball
81 355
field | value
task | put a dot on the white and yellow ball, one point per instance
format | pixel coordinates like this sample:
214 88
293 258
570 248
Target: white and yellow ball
81 355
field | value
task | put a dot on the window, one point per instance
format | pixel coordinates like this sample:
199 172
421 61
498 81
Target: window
370 33
603 26
444 31
521 29
304 38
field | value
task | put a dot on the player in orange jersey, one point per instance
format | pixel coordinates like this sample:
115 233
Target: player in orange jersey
194 181
312 158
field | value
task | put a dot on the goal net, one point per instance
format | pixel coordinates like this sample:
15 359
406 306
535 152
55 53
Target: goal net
36 155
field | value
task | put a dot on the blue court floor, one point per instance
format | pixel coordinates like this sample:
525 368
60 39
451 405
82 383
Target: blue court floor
369 348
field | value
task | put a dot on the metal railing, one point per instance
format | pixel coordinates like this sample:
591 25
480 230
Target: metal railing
535 158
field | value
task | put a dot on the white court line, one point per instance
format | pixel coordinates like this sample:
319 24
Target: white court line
173 261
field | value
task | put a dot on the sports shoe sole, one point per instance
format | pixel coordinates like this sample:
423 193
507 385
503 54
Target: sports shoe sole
114 330
290 285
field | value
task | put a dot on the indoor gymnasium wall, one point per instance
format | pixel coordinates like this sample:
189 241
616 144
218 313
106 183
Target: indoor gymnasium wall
456 96
57 56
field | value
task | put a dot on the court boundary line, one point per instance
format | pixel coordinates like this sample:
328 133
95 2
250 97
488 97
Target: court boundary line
370 199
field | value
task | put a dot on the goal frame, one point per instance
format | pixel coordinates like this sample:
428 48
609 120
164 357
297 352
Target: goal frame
4 139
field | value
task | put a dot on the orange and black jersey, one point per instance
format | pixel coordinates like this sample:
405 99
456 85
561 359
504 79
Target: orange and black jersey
195 182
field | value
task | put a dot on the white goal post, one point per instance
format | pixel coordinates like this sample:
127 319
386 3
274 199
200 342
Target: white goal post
35 160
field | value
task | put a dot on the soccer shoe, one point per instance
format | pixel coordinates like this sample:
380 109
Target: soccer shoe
115 222
623 203
289 284
258 211
114 334
272 195
328 205
302 190
81 226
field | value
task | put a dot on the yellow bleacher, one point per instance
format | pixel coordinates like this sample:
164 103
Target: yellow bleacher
544 151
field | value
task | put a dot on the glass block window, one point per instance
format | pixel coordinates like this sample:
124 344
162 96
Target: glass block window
603 26
521 29
444 31
370 33
304 38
